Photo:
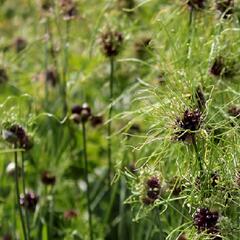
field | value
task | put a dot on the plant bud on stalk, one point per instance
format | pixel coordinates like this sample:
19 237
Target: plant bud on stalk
81 113
153 188
111 42
29 201
48 178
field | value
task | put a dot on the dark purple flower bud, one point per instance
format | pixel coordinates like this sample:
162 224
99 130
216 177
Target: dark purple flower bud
111 42
29 201
217 67
81 113
48 178
153 182
52 77
96 120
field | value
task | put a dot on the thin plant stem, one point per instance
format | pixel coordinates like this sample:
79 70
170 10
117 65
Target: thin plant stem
51 211
65 68
24 192
46 60
86 178
190 26
199 160
18 193
109 132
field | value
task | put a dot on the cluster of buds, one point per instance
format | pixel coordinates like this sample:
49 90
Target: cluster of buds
153 188
69 9
111 42
29 201
190 122
196 4
48 178
17 135
225 7
83 113
3 75
206 220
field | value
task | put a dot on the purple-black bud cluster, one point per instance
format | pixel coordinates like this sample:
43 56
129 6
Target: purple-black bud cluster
29 201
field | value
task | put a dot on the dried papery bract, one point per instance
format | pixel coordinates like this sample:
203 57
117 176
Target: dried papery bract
225 7
111 42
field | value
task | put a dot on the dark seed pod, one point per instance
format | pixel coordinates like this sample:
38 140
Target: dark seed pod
191 121
153 188
153 182
76 109
19 44
234 111
51 76
225 7
70 214
69 9
48 178
3 75
196 4
96 120
206 220
111 42
29 201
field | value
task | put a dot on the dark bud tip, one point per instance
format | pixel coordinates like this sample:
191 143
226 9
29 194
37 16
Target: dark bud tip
48 178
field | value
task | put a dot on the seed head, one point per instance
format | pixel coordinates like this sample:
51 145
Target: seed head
217 67
29 201
206 220
111 42
225 7
48 178
153 188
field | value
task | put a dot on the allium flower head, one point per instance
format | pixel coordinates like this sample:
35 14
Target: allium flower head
153 188
111 42
206 220
190 121
29 201
81 113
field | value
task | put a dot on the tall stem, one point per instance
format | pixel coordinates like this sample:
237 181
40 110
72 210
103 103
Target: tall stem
65 68
24 192
18 193
111 79
199 160
86 178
